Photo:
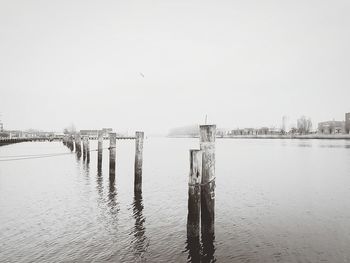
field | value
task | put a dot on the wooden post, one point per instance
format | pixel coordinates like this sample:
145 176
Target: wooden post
99 150
87 151
112 152
207 145
138 161
194 193
71 143
78 143
84 148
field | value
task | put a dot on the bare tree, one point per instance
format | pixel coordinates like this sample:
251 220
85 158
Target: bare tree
304 125
70 129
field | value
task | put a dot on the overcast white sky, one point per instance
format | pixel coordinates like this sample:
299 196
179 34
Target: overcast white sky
244 63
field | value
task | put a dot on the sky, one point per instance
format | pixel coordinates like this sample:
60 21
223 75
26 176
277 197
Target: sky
154 65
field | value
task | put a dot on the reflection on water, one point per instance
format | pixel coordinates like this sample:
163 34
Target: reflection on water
208 247
276 201
140 241
99 180
78 153
204 251
201 251
112 202
193 247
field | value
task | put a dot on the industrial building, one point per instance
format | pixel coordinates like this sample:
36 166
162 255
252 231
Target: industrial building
347 123
335 127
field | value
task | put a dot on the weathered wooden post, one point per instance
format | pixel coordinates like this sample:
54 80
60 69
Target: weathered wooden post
99 149
78 143
207 145
71 143
138 161
87 151
194 193
112 152
84 147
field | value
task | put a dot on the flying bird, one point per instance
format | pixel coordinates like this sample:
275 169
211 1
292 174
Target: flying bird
142 75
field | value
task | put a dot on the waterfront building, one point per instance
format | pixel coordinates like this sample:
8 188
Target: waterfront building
254 131
331 127
90 133
347 123
94 133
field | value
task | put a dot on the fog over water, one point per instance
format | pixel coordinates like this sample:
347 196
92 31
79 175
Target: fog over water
154 65
276 201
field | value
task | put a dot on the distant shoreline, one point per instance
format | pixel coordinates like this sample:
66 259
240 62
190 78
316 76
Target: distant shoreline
309 136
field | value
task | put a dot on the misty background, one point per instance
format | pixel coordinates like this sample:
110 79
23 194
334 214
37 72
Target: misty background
155 65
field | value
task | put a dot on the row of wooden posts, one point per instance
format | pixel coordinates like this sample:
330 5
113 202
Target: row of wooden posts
75 142
201 186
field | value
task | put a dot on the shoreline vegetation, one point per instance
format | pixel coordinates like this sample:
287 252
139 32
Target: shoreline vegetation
289 136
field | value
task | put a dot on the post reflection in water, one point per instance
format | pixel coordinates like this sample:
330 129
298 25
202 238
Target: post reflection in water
112 202
78 155
86 169
99 180
208 248
112 190
193 247
199 251
140 241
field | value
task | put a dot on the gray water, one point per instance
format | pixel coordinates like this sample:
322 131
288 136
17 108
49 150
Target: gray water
276 201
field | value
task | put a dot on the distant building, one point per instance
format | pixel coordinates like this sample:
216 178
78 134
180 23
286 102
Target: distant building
94 133
253 131
331 127
35 134
106 131
347 123
14 133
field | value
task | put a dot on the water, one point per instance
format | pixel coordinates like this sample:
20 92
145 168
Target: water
276 201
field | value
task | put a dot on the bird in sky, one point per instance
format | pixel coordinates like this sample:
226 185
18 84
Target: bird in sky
142 75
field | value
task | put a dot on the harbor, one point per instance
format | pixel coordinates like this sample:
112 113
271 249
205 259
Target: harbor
272 198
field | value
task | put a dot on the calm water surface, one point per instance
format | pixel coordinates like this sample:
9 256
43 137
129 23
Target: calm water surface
276 201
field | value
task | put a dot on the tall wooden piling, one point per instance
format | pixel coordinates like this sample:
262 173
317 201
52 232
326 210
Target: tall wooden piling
194 193
87 151
138 161
84 148
112 153
207 145
71 143
99 149
78 143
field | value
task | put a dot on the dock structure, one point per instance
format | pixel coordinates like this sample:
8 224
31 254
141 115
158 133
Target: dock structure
81 146
6 141
71 140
